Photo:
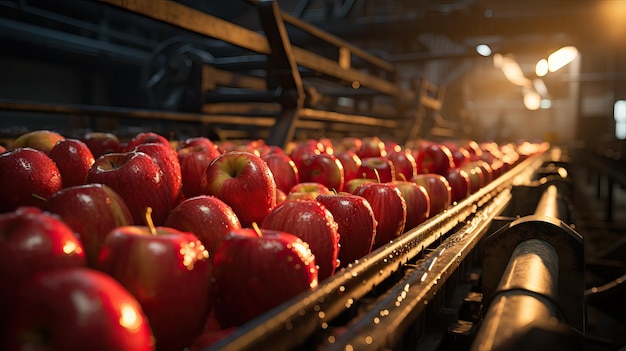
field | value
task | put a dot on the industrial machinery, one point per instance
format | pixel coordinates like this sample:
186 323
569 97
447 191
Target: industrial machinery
503 269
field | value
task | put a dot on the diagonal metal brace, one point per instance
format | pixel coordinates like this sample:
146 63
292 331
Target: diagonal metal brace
283 73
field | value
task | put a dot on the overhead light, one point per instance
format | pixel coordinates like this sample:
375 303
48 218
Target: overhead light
561 57
540 86
497 60
532 99
513 72
483 50
545 104
541 68
619 111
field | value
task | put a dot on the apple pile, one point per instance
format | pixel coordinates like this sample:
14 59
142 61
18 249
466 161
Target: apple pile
160 244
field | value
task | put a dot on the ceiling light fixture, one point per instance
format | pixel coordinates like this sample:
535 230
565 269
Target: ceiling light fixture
541 68
513 72
561 57
483 50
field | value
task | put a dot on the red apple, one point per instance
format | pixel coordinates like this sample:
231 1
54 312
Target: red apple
389 210
305 150
324 169
244 182
92 211
460 155
314 224
348 144
284 170
377 168
76 309
73 159
100 143
485 168
207 217
460 184
417 203
391 146
280 196
27 178
168 272
167 159
200 141
353 184
328 145
193 162
42 140
256 272
356 224
351 164
474 150
438 190
371 147
138 179
309 190
433 157
476 177
404 164
145 138
32 242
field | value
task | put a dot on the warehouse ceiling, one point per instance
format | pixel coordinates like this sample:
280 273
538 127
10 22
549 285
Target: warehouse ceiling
404 32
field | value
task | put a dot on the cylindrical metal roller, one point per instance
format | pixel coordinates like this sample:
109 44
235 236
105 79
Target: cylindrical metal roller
525 294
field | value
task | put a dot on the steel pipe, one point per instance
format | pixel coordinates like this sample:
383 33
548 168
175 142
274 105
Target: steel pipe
526 293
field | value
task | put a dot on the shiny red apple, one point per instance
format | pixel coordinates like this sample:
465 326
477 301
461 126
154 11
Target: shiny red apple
76 309
100 143
43 140
283 168
138 179
353 184
433 157
168 272
371 147
244 182
314 224
207 217
167 160
322 168
73 159
256 271
389 210
27 178
351 164
32 242
144 138
309 190
460 184
379 169
438 190
356 224
91 211
404 164
194 160
417 203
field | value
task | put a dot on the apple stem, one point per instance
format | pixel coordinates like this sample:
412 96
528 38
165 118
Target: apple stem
377 175
38 197
149 221
402 176
257 229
